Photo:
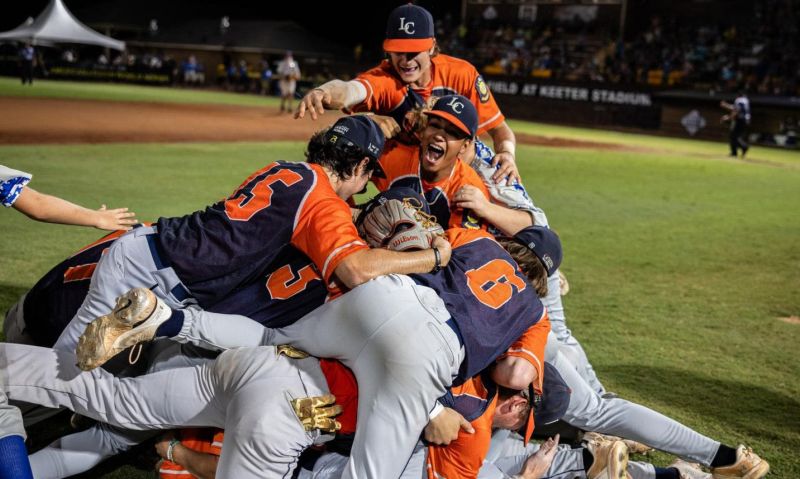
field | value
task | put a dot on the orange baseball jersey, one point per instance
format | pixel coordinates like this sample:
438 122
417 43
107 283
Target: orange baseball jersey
462 458
206 440
401 168
232 243
530 346
388 95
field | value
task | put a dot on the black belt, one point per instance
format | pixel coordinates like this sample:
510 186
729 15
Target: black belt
179 292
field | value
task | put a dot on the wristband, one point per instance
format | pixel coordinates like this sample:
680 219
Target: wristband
172 443
437 260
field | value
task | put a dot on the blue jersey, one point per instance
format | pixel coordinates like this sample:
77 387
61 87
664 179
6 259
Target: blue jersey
487 295
233 242
290 289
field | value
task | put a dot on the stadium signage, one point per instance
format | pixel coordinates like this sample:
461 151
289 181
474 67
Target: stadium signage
570 93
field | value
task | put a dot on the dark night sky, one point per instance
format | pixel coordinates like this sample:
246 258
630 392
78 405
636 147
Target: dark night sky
334 20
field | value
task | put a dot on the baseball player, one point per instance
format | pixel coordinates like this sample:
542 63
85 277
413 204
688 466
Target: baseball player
739 118
288 74
42 313
434 168
514 196
415 71
15 193
399 375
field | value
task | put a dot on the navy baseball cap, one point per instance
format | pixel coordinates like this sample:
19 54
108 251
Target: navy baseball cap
548 407
408 30
544 243
459 111
358 130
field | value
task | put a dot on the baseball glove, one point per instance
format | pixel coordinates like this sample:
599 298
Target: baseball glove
399 225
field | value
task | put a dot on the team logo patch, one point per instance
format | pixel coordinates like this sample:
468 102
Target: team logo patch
470 222
483 89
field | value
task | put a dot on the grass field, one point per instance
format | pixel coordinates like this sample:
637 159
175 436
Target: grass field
682 262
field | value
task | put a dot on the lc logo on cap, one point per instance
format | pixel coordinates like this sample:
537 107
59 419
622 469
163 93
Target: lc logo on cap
406 27
456 105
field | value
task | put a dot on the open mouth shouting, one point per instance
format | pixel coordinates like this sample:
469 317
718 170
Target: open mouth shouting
433 153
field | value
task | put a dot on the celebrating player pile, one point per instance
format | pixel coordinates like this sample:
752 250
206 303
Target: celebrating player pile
410 338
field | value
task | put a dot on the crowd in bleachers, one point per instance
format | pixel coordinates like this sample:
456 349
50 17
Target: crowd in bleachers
762 55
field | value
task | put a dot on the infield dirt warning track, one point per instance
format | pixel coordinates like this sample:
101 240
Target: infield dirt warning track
58 121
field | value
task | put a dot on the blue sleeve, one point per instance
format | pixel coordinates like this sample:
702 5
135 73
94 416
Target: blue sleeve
11 184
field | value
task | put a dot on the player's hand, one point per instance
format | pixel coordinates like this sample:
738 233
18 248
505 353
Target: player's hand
387 124
539 462
507 173
445 249
163 444
469 197
116 219
314 102
444 428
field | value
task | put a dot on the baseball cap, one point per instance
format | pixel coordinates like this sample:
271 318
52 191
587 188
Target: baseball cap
548 407
409 29
357 130
544 243
459 111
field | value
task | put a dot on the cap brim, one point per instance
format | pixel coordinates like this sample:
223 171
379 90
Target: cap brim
452 119
407 45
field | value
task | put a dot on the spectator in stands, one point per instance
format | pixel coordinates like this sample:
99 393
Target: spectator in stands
244 77
288 74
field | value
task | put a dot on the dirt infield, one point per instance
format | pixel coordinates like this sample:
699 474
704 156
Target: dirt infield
56 121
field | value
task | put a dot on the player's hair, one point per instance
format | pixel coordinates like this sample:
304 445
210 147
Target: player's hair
342 160
531 266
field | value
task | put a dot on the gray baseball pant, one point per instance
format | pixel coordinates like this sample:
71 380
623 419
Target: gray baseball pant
571 348
508 453
391 332
245 391
618 417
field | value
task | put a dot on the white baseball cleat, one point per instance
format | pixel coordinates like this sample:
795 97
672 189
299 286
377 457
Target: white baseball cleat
747 466
135 319
610 460
689 470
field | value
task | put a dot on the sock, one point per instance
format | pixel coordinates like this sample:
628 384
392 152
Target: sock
171 327
667 473
588 459
725 456
14 459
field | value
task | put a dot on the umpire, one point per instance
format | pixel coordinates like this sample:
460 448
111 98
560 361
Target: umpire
739 118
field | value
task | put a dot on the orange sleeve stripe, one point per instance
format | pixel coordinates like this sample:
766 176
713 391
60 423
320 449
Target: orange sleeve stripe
336 257
79 273
492 122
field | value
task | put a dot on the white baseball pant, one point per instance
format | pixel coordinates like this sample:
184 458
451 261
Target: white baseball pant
247 392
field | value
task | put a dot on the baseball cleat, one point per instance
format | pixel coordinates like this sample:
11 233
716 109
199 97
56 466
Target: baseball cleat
610 460
633 446
689 470
747 466
135 319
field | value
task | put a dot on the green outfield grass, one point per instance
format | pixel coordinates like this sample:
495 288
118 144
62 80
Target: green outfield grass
681 260
126 92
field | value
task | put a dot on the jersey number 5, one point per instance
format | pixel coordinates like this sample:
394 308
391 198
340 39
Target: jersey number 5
285 283
494 283
257 195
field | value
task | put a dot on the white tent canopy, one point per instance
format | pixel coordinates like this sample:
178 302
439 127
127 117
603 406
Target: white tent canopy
56 24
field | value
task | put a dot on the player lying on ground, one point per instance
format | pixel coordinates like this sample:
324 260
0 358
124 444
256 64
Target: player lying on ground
15 193
413 72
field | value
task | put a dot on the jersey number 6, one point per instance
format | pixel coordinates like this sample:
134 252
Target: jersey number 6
257 195
494 283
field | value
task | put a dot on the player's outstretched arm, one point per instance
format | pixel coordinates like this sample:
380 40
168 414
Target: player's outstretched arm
333 95
51 209
505 147
364 265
